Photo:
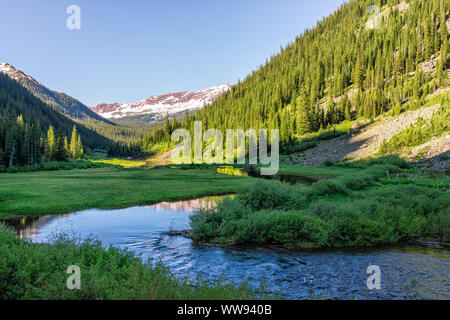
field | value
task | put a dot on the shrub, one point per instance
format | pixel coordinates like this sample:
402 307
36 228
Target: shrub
322 208
358 182
13 169
31 271
390 160
381 171
351 230
293 229
328 187
319 216
274 195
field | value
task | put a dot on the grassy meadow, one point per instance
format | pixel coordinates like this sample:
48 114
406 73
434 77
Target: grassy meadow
63 191
352 204
33 271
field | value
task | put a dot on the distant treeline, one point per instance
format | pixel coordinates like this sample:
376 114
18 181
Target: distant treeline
122 150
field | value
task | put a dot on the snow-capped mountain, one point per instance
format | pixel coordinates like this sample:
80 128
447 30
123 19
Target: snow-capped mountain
11 72
58 101
158 107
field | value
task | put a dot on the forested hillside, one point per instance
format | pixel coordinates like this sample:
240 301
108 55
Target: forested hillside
340 70
16 101
58 101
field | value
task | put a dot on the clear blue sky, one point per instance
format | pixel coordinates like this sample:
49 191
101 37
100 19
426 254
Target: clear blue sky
129 50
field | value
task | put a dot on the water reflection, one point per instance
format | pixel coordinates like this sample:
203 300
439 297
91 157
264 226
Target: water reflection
189 205
27 227
333 274
253 172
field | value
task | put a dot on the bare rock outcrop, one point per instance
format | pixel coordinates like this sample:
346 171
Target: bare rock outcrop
365 143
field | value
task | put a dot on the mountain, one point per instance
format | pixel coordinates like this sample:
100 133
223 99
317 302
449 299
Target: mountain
158 107
343 69
58 101
16 100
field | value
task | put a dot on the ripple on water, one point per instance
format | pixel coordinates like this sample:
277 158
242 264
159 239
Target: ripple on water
333 274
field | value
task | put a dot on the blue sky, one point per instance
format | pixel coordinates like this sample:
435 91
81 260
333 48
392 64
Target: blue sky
129 50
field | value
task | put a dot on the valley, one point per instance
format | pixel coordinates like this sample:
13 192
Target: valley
356 118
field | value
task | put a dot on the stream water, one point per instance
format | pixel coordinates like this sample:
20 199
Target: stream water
339 274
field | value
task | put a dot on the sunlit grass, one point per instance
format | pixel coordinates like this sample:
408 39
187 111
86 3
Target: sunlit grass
122 162
63 191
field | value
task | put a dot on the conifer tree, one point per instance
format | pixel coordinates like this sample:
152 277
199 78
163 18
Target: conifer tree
303 121
80 148
50 143
60 149
73 143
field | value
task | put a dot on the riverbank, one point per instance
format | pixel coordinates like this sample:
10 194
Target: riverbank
378 202
38 272
56 192
143 231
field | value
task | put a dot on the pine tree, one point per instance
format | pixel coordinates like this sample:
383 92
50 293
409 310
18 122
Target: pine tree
36 141
60 150
347 106
74 152
50 143
359 73
80 148
66 146
76 147
323 63
11 145
303 121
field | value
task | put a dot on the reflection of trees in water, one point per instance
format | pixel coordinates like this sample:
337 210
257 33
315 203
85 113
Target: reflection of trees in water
188 205
26 227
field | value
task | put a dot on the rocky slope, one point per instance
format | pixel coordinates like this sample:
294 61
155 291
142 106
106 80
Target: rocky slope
368 140
158 107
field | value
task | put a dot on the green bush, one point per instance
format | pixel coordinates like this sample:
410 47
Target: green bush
352 230
358 182
13 169
54 166
328 187
390 160
354 210
275 195
32 271
296 230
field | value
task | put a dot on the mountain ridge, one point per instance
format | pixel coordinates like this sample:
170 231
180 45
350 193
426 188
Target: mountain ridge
16 100
158 106
60 102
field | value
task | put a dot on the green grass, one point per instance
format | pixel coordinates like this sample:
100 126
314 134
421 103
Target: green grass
54 165
122 163
369 203
311 140
315 171
42 193
33 272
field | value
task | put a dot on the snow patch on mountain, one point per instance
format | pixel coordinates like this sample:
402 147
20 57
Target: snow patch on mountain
163 105
15 74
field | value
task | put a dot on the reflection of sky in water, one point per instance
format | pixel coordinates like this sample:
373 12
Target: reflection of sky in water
331 274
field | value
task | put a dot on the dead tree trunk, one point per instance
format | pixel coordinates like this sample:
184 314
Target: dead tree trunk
11 155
